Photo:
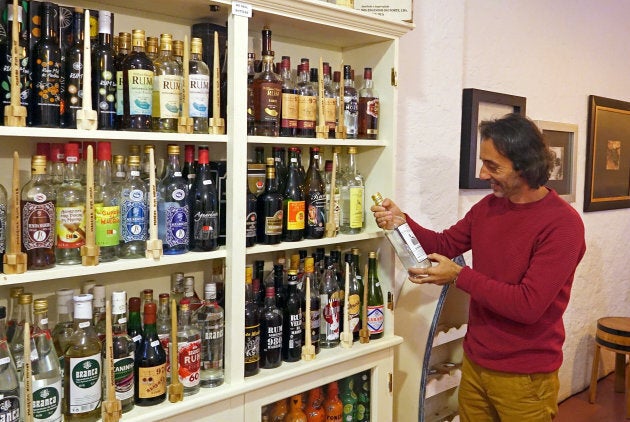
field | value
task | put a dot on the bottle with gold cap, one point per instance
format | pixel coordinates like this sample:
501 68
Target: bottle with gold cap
9 388
152 48
167 87
269 209
173 209
199 87
25 302
178 51
134 213
118 169
14 311
124 45
138 72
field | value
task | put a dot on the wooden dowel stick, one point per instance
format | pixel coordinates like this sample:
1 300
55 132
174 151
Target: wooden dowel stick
89 251
15 260
346 336
185 123
15 113
28 375
216 124
154 245
331 224
308 350
111 409
176 388
86 116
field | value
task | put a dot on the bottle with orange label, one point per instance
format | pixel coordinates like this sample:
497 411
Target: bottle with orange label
294 205
333 405
150 369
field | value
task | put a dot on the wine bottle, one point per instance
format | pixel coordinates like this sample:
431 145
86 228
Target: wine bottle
167 87
293 205
124 351
350 103
269 209
375 305
210 322
104 87
292 321
106 209
352 194
134 327
150 369
9 385
124 44
138 72
368 107
134 217
267 87
199 87
252 328
188 349
315 192
73 72
271 332
204 206
173 207
251 220
330 295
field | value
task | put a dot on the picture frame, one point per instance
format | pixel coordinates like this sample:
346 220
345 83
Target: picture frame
561 138
607 176
479 105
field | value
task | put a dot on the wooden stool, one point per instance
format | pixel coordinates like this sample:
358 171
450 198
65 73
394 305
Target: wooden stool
613 333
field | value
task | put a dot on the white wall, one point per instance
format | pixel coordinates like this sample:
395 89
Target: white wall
555 54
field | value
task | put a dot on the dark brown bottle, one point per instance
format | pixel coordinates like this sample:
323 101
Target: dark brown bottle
292 321
124 44
368 107
269 209
252 328
150 369
138 74
270 332
74 73
294 206
315 193
267 87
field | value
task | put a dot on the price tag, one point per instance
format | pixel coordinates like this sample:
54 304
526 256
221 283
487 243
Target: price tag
154 343
137 338
122 320
84 324
241 9
5 360
34 354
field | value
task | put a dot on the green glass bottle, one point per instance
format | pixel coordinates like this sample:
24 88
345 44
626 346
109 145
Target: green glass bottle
349 398
375 307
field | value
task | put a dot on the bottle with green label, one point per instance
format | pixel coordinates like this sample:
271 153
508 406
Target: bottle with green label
124 350
9 384
138 72
82 383
106 209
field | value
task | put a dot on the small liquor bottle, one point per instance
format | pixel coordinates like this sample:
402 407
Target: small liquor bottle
106 209
307 103
352 194
375 306
204 207
124 350
188 350
210 322
332 404
82 385
9 387
164 327
134 215
199 87
134 327
150 369
293 205
138 74
315 193
73 72
173 207
267 87
252 328
271 332
292 321
167 87
269 209
368 107
330 311
350 103
104 74
124 44
289 121
38 217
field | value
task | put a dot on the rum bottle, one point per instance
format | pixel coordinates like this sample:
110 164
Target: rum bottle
199 87
210 322
330 296
134 213
292 321
350 104
173 207
124 349
352 194
73 72
271 332
188 349
267 87
368 107
293 205
315 192
124 44
252 328
138 72
375 305
332 404
104 87
9 381
204 206
269 209
38 217
150 368
307 103
289 121
163 326
167 87
106 209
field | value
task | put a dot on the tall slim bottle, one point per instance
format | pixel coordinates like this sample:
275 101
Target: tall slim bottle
252 328
104 87
307 103
375 306
210 322
163 326
124 350
173 207
124 45
106 208
188 170
330 296
150 369
14 315
351 104
289 121
167 87
83 371
292 321
368 107
269 209
188 349
293 205
46 72
199 87
204 207
65 326
9 381
330 102
315 193
134 327
270 332
267 87
70 211
73 72
352 194
134 216
25 302
138 72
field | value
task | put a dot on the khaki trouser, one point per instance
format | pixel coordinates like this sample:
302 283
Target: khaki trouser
487 395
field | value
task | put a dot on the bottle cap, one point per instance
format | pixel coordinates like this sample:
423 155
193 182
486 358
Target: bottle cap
178 48
38 164
150 308
210 288
119 302
83 306
25 298
147 294
166 42
204 156
104 22
377 198
98 292
196 46
133 160
104 151
137 38
352 150
72 153
184 305
270 291
248 274
57 154
40 306
309 264
15 292
10 13
134 149
124 40
64 297
164 298
134 304
372 255
189 153
119 159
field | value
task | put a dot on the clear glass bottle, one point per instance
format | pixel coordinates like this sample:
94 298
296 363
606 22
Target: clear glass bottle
330 102
14 311
152 48
145 163
106 209
150 367
9 381
353 296
173 207
376 305
83 371
293 205
315 302
73 72
191 294
252 328
204 207
292 321
38 217
104 74
167 87
57 165
368 107
65 326
134 215
289 121
210 322
352 192
163 326
177 286
315 193
330 296
350 104
188 350
270 332
138 72
199 87
267 87
119 173
124 349
25 302
307 103
124 45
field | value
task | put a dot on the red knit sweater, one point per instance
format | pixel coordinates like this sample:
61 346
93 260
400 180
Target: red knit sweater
524 258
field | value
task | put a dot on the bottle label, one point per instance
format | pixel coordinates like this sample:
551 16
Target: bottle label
289 110
250 225
330 113
412 242
85 383
315 323
46 400
274 338
375 319
330 316
206 225
46 75
165 341
372 108
119 93
295 330
316 213
167 90
38 222
74 81
123 376
177 225
252 343
354 311
268 107
151 381
212 350
273 224
107 224
10 409
199 88
295 215
140 92
307 111
3 224
107 89
134 218
189 358
70 227
25 77
356 207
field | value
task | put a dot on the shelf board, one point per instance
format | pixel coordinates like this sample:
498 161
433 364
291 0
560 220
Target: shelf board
266 377
65 271
316 141
311 243
452 334
440 383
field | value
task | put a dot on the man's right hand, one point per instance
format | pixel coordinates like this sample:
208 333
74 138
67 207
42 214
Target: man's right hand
387 213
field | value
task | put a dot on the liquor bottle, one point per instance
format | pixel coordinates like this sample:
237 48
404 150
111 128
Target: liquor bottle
83 368
278 411
307 103
293 205
315 192
296 414
278 285
173 207
330 102
98 311
315 405
163 327
271 332
57 165
218 278
177 286
210 322
70 211
134 327
190 293
330 297
73 73
314 79
251 72
363 391
146 296
199 87
63 330
119 173
315 302
104 74
252 328
356 256
251 221
38 217
188 350
349 398
352 192
188 170
375 305
292 321
368 107
300 166
269 209
335 256
25 302
145 162
337 197
350 104
167 87
204 207
138 73
3 224
152 48
134 213
25 67
124 44
178 51
106 209
9 382
353 296
46 374
46 72
149 374
332 404
124 349
267 87
289 121
14 315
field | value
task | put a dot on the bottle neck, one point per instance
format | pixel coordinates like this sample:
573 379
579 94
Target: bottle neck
134 172
173 168
105 39
372 270
78 25
352 164
48 24
119 323
183 319
41 321
267 64
103 172
25 313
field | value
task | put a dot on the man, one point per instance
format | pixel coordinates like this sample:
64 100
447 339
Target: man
526 243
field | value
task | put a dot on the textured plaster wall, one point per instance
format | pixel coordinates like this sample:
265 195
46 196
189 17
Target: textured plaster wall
553 53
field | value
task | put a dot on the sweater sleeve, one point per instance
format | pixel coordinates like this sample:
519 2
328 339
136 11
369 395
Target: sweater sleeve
452 242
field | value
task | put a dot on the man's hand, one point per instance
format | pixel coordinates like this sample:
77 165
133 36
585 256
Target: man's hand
445 272
387 213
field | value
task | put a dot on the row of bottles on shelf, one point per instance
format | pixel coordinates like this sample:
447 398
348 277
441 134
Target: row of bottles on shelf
135 84
347 399
68 361
315 104
317 302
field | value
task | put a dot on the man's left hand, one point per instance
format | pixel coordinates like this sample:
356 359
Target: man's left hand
445 272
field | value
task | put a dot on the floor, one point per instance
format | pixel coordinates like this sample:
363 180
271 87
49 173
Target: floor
608 407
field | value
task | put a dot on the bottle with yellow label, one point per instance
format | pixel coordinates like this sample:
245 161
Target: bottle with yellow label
352 192
150 370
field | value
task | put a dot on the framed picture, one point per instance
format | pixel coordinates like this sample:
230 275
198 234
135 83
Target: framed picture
561 139
607 179
479 105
